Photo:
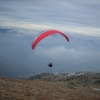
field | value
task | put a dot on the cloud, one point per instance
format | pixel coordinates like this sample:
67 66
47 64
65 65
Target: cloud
76 17
61 52
73 29
22 25
18 35
22 32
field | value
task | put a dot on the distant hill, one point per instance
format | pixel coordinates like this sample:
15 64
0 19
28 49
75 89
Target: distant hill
43 76
87 79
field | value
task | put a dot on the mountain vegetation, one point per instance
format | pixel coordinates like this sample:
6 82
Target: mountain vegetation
48 86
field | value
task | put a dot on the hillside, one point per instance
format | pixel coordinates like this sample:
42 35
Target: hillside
85 79
40 89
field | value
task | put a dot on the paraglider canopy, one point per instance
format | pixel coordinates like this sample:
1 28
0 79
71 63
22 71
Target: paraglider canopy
50 64
45 34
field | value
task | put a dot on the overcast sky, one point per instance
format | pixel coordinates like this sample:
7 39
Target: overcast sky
22 20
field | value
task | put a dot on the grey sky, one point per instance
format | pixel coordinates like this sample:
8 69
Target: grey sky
80 20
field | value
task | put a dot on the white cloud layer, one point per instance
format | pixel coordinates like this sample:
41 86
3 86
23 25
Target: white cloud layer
73 29
77 17
62 52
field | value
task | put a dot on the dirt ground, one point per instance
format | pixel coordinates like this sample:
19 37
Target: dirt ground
17 89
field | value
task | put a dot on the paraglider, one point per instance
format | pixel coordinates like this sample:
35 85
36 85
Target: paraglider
50 64
45 34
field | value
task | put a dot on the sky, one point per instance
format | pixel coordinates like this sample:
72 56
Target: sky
21 21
